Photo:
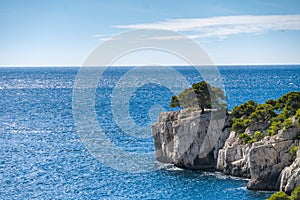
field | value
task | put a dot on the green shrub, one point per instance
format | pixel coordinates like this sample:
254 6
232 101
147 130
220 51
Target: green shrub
280 118
174 102
244 110
258 135
296 193
289 104
283 196
239 125
279 196
297 113
293 151
271 102
263 112
252 141
274 128
246 138
250 112
288 123
297 116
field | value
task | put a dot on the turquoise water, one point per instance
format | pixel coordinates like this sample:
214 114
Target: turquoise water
42 156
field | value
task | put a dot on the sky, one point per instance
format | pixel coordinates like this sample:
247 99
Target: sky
232 32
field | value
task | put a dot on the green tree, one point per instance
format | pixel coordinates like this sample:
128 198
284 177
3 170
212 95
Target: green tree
271 102
244 110
293 151
288 104
239 125
278 113
258 135
274 128
263 113
287 123
202 95
246 138
174 102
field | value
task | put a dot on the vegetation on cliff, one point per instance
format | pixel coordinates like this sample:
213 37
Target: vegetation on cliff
277 114
247 138
293 151
201 95
250 122
283 196
282 113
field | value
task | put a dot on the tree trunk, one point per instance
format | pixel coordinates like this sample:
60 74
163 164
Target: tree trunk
202 109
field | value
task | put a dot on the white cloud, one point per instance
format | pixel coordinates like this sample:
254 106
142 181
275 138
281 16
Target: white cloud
102 37
97 35
225 26
172 37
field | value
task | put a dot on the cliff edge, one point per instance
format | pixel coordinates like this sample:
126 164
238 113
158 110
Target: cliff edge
195 140
190 138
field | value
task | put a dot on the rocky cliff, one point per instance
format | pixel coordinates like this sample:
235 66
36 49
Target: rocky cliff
189 139
260 161
290 176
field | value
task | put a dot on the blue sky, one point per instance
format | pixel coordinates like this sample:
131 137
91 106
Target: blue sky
64 32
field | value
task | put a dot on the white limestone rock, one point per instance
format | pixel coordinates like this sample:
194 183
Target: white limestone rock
290 176
189 138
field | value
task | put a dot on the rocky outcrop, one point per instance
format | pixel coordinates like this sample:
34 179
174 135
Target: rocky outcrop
195 140
266 163
189 138
290 176
261 161
233 159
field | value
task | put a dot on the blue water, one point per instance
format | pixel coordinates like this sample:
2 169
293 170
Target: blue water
42 156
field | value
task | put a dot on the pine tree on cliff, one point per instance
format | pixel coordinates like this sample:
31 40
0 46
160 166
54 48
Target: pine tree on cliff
201 95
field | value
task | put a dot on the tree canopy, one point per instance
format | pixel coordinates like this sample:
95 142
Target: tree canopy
275 112
202 95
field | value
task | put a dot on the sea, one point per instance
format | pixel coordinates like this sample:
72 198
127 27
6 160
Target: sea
42 155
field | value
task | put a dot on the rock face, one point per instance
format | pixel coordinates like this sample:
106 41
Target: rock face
232 159
261 161
266 163
189 139
290 176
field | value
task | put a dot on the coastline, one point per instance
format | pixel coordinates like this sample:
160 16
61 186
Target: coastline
183 131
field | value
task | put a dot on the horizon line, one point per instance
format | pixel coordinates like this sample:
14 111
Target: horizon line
170 65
